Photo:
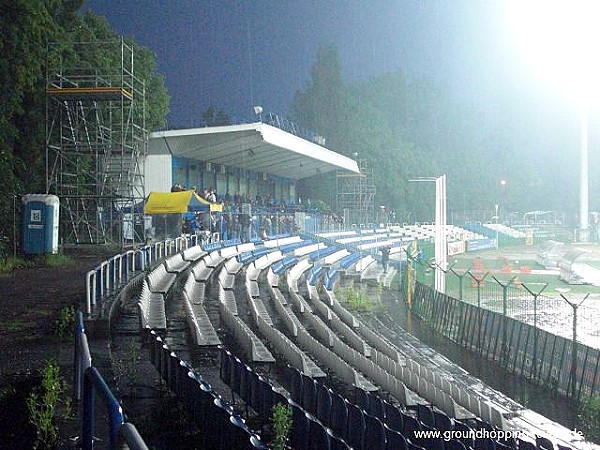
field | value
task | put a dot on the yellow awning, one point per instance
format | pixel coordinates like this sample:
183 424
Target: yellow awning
178 203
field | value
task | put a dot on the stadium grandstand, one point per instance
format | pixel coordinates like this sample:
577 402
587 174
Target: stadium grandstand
238 323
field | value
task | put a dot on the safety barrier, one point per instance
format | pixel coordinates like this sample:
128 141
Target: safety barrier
88 383
520 347
111 274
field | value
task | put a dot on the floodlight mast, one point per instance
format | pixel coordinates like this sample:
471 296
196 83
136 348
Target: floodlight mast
440 240
561 39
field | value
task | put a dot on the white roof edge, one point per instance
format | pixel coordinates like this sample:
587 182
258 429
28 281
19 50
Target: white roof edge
273 136
205 130
283 139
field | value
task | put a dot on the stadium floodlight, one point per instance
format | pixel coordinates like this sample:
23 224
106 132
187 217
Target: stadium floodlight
258 111
560 40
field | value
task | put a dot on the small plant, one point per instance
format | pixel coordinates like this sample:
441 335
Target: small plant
589 417
43 403
283 283
11 263
358 300
65 323
282 425
58 260
379 291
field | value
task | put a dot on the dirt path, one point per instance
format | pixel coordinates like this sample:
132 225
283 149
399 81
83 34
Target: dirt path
31 301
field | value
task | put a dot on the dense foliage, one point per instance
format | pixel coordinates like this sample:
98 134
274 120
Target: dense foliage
407 128
27 27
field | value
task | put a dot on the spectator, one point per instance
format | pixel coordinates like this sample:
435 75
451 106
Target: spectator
385 258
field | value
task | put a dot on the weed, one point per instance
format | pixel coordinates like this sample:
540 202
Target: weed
358 300
282 425
589 417
14 325
11 263
42 405
65 323
58 260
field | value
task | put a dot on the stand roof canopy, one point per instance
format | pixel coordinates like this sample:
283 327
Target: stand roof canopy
257 147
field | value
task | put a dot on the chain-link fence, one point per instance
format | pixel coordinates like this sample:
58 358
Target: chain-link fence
553 339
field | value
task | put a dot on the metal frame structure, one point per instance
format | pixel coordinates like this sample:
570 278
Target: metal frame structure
96 140
356 194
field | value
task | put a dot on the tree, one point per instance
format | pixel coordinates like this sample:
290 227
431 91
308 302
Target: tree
212 117
26 28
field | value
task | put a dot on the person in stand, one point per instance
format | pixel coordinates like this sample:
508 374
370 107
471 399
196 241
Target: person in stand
385 258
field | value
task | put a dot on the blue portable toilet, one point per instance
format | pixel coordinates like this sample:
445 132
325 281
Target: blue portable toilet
40 223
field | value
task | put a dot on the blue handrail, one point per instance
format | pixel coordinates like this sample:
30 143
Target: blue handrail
94 383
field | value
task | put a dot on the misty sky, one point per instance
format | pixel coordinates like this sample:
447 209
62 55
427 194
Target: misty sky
237 54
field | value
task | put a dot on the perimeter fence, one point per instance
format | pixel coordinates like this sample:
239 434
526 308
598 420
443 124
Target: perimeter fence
552 340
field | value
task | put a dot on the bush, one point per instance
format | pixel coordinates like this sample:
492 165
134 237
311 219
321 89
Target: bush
282 425
43 404
589 417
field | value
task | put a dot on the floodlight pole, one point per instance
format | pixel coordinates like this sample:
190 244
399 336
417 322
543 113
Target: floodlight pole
440 241
583 175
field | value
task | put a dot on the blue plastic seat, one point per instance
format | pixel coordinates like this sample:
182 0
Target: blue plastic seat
412 446
217 432
454 444
324 400
376 407
466 431
374 436
543 443
525 445
425 415
339 415
257 443
394 440
484 444
299 433
356 426
309 394
318 438
336 442
411 424
239 435
442 421
394 417
431 442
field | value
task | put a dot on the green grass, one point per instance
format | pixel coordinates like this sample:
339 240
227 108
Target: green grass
14 325
58 260
11 263
494 262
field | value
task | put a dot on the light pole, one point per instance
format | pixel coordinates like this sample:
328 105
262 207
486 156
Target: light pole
496 221
560 39
440 241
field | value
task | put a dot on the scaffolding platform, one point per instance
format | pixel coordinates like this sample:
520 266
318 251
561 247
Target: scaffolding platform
105 93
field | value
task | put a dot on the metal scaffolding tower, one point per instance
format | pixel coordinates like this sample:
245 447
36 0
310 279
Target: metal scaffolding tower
356 194
96 140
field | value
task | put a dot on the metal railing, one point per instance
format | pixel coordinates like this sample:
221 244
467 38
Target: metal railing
527 334
89 384
110 275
